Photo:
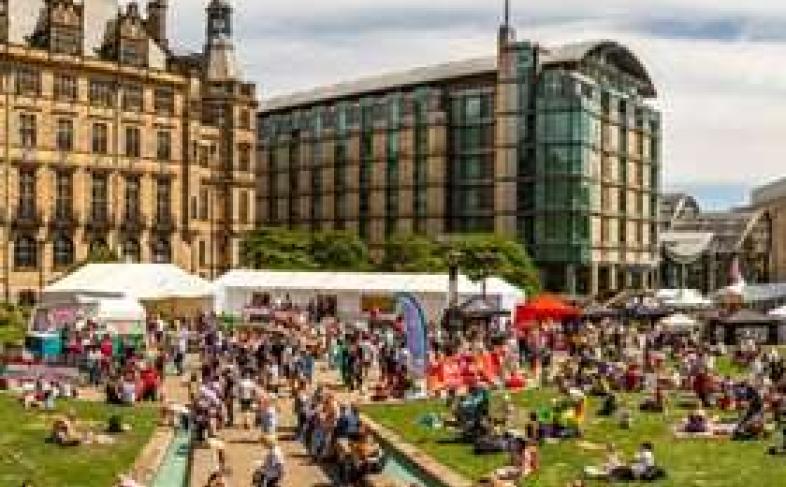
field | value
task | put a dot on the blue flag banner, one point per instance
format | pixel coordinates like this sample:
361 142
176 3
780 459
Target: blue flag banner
411 311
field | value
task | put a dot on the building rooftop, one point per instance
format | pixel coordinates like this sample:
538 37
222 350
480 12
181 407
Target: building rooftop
570 54
372 84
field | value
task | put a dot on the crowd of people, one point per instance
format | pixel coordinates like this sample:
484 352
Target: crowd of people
247 378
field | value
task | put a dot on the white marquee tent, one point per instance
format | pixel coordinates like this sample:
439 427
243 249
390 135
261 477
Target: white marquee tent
234 290
142 282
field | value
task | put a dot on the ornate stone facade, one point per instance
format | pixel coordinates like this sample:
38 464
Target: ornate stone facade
111 141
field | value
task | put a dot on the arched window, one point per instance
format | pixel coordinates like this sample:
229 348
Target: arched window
132 251
25 253
162 252
63 252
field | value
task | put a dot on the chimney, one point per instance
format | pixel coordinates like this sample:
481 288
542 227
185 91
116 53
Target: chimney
156 21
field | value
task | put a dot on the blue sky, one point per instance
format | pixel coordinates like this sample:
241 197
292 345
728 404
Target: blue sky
718 64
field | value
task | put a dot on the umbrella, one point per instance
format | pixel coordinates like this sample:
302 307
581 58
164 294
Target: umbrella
599 312
545 307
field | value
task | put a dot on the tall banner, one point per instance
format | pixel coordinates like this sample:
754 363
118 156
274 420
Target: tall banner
411 311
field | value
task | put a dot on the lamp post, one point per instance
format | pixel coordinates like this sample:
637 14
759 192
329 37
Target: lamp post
453 259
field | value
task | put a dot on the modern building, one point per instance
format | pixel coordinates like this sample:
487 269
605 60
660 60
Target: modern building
709 251
112 140
557 147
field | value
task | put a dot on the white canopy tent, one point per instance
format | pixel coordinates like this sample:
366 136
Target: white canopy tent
678 322
778 312
683 298
234 290
143 282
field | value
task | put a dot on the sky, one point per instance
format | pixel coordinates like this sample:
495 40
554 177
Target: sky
718 64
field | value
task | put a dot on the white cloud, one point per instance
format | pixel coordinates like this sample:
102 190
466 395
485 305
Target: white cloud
717 63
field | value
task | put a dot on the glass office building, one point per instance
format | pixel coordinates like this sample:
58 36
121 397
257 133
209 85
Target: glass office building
556 147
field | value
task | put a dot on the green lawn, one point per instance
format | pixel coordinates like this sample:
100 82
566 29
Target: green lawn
24 454
710 463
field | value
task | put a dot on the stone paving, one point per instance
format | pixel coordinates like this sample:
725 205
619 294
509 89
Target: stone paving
244 451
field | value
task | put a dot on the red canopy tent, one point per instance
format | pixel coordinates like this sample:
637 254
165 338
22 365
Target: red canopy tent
544 307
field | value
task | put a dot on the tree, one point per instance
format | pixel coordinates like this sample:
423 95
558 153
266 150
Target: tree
278 248
484 255
413 253
339 251
285 249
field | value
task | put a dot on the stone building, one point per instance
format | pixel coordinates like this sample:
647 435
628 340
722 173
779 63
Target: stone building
556 147
112 141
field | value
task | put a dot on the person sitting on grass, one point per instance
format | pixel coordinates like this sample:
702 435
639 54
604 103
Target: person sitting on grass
607 470
524 461
643 467
64 431
655 404
697 422
609 406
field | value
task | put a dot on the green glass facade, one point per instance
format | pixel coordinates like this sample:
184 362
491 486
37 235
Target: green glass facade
557 148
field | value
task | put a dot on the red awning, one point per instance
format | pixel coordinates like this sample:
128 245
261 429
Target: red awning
545 307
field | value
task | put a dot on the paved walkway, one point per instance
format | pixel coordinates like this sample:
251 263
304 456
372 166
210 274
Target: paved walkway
244 451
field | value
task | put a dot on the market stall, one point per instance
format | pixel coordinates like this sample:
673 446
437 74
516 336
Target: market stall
352 295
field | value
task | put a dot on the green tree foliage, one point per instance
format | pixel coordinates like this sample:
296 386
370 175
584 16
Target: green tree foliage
13 324
101 255
486 255
338 250
283 249
413 253
479 255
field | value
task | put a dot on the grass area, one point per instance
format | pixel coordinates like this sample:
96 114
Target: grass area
25 455
699 463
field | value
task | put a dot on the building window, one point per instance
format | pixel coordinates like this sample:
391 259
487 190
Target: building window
244 157
63 194
100 198
163 200
28 130
102 93
164 101
204 201
65 134
63 252
164 145
202 254
245 120
133 53
133 142
204 155
132 250
133 100
132 198
162 251
27 194
65 88
243 207
25 253
100 138
28 82
66 40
